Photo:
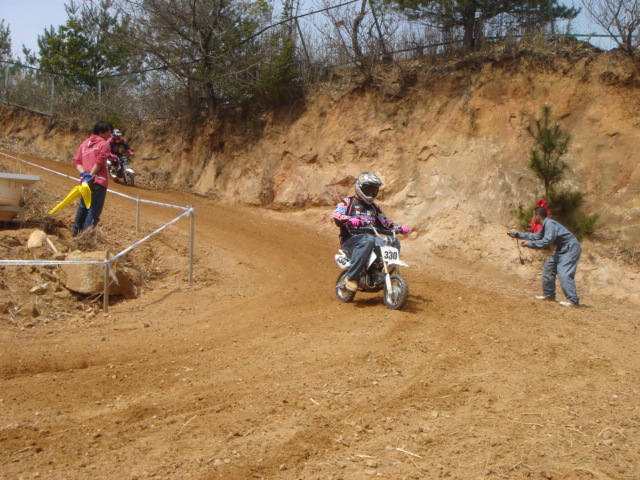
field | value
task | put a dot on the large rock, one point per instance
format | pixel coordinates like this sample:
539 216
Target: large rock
36 239
89 278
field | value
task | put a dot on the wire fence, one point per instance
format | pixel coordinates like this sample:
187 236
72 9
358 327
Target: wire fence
323 44
109 275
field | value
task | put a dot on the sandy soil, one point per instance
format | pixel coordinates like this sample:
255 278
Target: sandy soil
256 370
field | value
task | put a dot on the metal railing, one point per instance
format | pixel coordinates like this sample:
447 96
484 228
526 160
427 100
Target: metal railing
189 211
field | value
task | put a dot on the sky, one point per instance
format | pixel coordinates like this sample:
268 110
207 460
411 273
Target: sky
28 19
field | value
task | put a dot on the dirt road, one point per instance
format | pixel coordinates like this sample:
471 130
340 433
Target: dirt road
257 371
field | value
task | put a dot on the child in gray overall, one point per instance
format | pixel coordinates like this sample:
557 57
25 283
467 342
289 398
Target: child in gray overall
563 263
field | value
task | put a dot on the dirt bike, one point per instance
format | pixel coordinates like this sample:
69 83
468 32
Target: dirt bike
121 170
381 272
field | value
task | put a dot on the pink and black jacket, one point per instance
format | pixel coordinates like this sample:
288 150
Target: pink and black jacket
118 145
353 207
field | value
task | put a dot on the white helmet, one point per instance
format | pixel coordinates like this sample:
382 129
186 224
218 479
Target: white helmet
116 134
367 186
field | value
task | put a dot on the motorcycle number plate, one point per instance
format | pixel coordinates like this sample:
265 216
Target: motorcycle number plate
342 261
390 254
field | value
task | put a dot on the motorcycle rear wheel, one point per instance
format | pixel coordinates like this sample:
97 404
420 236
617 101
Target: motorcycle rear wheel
396 297
342 293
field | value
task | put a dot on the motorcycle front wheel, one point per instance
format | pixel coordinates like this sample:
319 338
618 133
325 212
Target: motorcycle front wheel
343 294
128 178
396 296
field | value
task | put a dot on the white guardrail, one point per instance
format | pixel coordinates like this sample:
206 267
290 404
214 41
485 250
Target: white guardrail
108 273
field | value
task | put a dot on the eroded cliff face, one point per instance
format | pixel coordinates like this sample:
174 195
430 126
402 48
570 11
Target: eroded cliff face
451 147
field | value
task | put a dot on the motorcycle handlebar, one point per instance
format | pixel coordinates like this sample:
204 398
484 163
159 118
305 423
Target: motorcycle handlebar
369 227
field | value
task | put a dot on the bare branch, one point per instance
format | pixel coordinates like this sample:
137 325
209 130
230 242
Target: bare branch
620 19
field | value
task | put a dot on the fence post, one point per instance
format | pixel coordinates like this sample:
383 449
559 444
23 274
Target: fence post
192 224
304 45
138 215
105 296
375 19
53 92
6 83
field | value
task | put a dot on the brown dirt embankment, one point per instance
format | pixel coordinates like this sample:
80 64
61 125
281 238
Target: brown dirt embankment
449 143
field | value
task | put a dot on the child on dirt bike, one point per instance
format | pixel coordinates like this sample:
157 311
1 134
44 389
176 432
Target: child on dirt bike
354 212
118 144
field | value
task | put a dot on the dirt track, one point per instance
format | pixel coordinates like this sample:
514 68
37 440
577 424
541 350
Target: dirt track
257 371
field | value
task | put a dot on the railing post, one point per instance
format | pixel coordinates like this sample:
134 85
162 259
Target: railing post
192 225
105 296
138 215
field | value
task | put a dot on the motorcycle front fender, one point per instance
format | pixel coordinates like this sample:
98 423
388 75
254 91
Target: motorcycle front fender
397 262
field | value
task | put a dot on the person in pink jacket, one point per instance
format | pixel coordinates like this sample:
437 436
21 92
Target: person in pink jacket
91 163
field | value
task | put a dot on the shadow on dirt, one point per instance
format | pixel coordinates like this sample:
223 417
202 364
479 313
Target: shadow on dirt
414 303
166 296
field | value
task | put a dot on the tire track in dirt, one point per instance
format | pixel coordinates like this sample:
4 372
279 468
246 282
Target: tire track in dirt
257 370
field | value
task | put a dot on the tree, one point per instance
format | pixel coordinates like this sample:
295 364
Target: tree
361 60
471 15
552 143
357 33
30 58
279 80
279 77
5 41
210 45
620 19
68 52
87 46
